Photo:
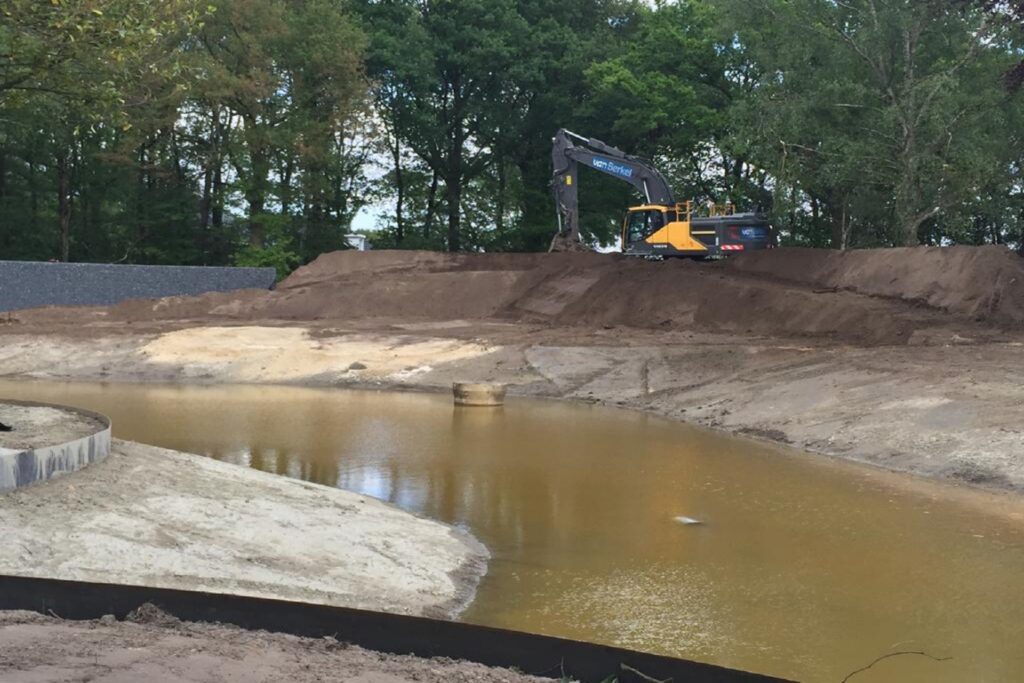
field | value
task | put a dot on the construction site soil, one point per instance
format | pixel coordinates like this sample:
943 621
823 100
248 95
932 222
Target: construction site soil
906 358
155 647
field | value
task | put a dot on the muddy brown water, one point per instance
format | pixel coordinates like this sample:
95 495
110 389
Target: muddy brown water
800 567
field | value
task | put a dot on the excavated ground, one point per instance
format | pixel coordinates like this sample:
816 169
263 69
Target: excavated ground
155 647
905 358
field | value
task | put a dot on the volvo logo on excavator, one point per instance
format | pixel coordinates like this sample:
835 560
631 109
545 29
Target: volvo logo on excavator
609 166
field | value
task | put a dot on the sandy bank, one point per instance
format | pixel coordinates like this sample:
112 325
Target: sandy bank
156 517
159 649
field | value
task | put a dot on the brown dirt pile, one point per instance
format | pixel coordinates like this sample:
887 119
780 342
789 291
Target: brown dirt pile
982 283
890 296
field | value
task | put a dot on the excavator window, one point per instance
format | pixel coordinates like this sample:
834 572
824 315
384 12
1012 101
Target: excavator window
642 224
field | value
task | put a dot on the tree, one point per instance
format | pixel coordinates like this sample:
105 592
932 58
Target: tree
664 96
82 65
1011 14
292 75
883 106
474 91
435 63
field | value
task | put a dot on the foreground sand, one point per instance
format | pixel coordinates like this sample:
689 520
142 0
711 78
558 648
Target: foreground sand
160 518
155 648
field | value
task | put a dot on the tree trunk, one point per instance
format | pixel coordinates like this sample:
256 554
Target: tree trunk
453 171
217 209
63 204
221 134
256 197
1020 238
396 155
179 167
428 222
256 187
286 187
6 231
908 227
141 204
840 226
453 183
205 201
33 197
910 224
453 196
816 218
499 218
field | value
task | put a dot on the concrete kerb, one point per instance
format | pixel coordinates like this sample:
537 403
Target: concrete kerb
23 467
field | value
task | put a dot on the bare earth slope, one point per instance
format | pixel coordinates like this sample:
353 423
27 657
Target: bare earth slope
907 358
985 284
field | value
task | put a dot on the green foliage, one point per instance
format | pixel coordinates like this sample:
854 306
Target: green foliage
175 132
93 52
278 256
253 131
876 118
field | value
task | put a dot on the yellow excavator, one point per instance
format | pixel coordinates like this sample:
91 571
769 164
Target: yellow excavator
661 227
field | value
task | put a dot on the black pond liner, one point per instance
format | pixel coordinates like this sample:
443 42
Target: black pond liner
393 633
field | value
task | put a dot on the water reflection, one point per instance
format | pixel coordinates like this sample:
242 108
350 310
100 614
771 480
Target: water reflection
800 567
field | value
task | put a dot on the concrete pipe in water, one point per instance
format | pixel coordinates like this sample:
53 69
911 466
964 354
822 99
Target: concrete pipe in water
478 394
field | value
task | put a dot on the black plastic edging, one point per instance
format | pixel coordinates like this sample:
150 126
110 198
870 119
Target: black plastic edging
380 631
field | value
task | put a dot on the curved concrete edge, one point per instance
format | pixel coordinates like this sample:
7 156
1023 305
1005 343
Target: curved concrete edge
21 468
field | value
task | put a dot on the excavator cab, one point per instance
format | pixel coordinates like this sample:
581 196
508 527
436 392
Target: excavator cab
641 223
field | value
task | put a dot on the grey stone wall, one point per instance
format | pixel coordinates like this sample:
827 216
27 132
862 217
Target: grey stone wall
23 467
27 284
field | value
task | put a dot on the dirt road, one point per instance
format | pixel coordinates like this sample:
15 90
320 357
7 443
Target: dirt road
909 359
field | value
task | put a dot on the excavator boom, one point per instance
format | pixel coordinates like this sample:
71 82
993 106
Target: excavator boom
569 150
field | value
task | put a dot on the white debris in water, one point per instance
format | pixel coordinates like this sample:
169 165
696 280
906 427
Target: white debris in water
686 520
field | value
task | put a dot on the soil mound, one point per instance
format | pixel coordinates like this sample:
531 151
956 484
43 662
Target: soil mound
416 284
981 283
885 296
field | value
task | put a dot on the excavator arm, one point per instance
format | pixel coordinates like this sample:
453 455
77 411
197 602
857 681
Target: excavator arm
569 150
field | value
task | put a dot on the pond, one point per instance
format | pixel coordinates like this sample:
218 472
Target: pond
617 527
